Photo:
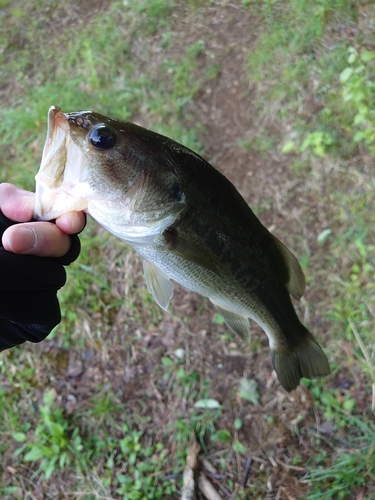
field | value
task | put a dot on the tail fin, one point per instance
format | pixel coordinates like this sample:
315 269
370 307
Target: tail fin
307 360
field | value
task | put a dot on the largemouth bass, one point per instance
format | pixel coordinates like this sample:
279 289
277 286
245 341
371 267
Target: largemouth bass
188 223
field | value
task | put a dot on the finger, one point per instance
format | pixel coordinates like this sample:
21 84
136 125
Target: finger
36 238
71 222
16 203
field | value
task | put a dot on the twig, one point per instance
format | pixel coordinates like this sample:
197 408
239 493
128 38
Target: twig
207 489
189 487
283 489
249 462
189 491
215 478
291 467
208 466
169 477
272 460
259 460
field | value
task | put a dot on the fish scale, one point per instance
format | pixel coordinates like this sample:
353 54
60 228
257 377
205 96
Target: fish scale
219 289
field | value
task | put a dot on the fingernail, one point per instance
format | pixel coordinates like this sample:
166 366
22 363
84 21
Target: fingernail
20 239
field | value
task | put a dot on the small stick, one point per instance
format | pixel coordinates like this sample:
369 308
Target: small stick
249 462
291 467
169 477
207 489
215 479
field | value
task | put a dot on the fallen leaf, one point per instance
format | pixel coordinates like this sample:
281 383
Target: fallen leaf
248 389
208 404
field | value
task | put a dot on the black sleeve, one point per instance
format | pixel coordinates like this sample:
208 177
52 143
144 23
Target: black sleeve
29 308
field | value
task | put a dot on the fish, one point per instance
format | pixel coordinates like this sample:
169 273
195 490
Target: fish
187 221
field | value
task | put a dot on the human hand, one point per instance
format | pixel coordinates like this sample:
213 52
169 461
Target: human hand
44 239
32 256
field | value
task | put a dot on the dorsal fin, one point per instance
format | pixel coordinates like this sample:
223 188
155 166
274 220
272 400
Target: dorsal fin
297 283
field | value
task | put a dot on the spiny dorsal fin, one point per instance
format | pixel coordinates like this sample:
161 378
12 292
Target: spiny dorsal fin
297 282
237 323
158 284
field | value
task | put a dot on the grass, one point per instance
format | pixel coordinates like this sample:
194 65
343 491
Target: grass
329 127
352 465
105 408
62 443
101 69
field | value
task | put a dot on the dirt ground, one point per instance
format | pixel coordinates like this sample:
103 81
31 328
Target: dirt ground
227 110
282 425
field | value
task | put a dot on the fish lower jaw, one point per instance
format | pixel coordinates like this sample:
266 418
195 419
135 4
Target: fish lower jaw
126 226
55 206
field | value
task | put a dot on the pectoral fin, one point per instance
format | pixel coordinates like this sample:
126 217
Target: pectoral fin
158 284
297 283
188 251
237 323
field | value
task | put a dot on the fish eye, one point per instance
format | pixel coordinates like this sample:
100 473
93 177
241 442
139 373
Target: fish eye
102 137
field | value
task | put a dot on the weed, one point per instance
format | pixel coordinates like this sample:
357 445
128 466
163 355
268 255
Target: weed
139 479
156 11
352 466
54 446
318 142
350 119
57 446
260 143
354 300
358 89
130 61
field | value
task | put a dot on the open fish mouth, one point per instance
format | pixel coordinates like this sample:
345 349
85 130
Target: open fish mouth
50 201
51 172
57 132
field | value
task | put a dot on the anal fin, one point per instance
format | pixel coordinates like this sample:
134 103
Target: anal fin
236 322
158 284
